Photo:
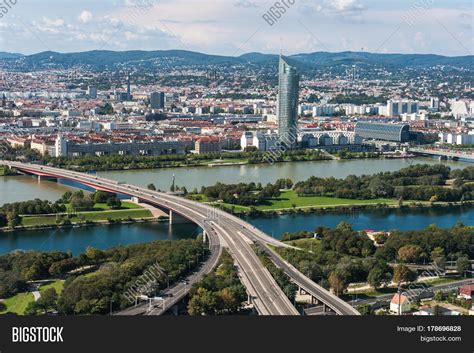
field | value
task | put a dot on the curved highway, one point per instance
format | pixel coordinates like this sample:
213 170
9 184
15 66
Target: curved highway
222 230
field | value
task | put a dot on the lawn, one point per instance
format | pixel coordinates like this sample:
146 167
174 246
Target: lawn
103 206
89 216
57 285
290 198
18 303
440 281
370 293
309 244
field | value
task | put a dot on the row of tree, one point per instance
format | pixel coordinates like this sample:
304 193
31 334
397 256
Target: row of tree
118 269
218 293
245 194
418 182
344 256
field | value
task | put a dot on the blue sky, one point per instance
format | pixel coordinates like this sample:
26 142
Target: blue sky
234 27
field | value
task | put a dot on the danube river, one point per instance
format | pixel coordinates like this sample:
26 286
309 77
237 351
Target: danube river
25 187
77 239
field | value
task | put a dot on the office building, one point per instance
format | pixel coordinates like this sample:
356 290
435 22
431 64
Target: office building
384 132
92 92
157 100
399 107
287 107
208 144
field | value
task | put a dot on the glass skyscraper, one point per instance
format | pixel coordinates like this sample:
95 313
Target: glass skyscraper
287 108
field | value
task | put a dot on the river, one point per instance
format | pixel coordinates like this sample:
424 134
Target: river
77 239
25 187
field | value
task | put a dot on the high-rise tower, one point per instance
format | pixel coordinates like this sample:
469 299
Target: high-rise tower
287 105
129 89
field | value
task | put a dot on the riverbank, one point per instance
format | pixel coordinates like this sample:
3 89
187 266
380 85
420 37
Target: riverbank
101 214
121 163
290 203
119 221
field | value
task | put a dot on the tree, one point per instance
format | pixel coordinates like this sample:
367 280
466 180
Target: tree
13 219
365 309
79 201
438 257
344 226
114 202
379 275
228 300
3 220
380 188
94 255
462 265
47 302
101 196
338 281
409 253
152 187
202 303
438 296
402 273
458 182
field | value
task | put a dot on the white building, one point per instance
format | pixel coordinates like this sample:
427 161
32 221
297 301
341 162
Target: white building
461 108
399 107
399 304
457 139
414 117
262 141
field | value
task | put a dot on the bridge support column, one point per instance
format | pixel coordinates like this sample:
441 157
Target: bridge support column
42 177
177 219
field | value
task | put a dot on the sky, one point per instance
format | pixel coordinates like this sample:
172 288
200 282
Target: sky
235 27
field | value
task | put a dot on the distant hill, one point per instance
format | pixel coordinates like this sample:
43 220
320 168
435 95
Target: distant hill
397 60
5 55
103 58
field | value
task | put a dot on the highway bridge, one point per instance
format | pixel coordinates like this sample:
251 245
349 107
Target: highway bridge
221 230
444 153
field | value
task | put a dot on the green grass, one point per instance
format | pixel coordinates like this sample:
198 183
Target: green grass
290 198
89 216
308 244
225 161
370 293
18 303
440 281
57 285
104 207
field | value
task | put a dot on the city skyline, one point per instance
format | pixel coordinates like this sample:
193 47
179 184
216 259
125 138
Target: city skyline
236 27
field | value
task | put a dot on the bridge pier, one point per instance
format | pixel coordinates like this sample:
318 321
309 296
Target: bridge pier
175 218
43 177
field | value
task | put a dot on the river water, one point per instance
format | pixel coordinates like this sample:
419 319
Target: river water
26 187
76 240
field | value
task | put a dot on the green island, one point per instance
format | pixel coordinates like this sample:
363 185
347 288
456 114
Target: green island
414 186
74 208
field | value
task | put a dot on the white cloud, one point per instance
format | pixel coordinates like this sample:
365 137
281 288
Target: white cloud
345 5
53 23
85 16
